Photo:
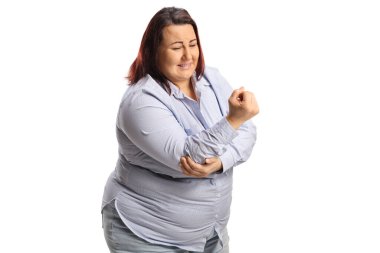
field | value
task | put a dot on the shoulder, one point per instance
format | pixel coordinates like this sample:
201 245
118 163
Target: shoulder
216 79
211 71
145 92
213 75
146 84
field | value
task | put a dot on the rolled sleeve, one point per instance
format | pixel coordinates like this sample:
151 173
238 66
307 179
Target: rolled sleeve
211 142
152 128
240 148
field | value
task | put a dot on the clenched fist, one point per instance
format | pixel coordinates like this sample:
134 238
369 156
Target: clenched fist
243 106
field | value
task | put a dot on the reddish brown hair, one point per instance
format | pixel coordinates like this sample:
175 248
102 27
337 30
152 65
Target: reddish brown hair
146 60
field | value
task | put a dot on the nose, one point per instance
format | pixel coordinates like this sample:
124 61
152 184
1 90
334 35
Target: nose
186 53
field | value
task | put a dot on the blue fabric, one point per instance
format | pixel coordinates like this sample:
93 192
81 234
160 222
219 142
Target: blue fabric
120 239
154 129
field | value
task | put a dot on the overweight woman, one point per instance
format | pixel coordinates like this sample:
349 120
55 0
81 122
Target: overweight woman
181 130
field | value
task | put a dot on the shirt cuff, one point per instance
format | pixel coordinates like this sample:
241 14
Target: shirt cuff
227 132
227 160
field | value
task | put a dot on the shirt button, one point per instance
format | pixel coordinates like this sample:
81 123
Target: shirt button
218 195
212 181
216 216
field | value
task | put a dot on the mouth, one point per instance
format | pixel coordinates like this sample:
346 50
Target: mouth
184 66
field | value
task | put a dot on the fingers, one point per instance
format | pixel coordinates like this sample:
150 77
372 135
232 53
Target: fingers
214 163
191 168
245 97
184 166
244 101
242 95
192 164
197 170
237 94
211 160
249 100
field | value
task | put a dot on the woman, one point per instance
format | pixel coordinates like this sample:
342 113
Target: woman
180 133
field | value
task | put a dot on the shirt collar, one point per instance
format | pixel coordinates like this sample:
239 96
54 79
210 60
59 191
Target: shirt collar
199 84
175 91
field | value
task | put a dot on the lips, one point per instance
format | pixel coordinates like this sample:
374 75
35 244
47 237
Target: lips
185 65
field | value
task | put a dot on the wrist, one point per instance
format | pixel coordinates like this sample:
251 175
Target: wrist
233 122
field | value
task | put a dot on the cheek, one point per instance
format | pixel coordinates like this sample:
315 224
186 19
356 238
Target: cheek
167 59
196 55
172 59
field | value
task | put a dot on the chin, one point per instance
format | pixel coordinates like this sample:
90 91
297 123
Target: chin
185 73
188 72
188 76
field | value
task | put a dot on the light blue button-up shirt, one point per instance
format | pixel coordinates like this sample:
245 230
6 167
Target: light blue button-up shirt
154 129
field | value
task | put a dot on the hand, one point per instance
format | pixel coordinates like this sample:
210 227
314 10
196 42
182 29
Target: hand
191 168
243 106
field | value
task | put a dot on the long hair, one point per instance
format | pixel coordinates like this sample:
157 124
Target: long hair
146 60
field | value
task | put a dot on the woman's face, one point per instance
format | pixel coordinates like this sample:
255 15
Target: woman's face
178 53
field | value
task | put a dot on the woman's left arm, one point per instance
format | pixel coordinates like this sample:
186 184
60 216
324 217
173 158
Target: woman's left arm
240 149
237 152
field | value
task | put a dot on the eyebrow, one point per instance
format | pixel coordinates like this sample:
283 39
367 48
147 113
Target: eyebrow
182 42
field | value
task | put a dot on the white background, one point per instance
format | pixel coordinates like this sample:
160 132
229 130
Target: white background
312 183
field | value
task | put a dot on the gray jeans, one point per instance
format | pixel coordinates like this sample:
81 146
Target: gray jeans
122 240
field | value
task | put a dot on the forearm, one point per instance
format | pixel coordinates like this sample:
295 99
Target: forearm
240 148
211 142
158 146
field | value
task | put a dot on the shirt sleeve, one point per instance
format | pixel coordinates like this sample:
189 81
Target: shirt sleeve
152 127
240 148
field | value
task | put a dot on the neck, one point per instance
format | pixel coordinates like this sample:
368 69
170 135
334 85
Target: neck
187 89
